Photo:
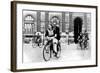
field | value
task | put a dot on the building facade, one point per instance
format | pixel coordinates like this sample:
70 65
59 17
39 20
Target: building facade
37 21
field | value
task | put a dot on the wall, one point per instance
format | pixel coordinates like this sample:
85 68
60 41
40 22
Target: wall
5 37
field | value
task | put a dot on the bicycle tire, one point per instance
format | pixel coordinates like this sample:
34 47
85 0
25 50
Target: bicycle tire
34 45
44 53
58 51
40 45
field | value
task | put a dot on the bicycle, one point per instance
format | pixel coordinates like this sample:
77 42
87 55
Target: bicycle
36 41
48 50
83 41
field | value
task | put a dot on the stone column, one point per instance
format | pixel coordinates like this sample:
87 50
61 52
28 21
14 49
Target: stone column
70 22
38 21
46 19
63 22
85 21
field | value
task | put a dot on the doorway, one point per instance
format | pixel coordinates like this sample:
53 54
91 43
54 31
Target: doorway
77 28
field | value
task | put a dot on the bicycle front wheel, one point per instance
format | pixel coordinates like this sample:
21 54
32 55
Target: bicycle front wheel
58 51
46 53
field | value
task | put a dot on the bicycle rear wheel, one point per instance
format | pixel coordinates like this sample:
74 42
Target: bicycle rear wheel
40 45
86 44
34 45
46 53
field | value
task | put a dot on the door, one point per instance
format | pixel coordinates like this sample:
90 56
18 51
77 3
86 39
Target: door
77 28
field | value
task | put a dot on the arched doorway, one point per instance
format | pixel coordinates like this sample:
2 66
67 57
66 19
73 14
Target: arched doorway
77 28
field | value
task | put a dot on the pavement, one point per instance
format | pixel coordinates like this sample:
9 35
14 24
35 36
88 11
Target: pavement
69 52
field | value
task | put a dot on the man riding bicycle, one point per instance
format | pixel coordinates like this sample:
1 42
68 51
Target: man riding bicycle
83 39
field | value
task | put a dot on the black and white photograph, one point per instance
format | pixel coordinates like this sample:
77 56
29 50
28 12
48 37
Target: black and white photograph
54 36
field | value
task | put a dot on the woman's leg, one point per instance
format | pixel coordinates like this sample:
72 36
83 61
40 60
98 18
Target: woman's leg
55 41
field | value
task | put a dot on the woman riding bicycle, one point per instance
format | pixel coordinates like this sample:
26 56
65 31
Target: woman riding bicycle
53 36
49 36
